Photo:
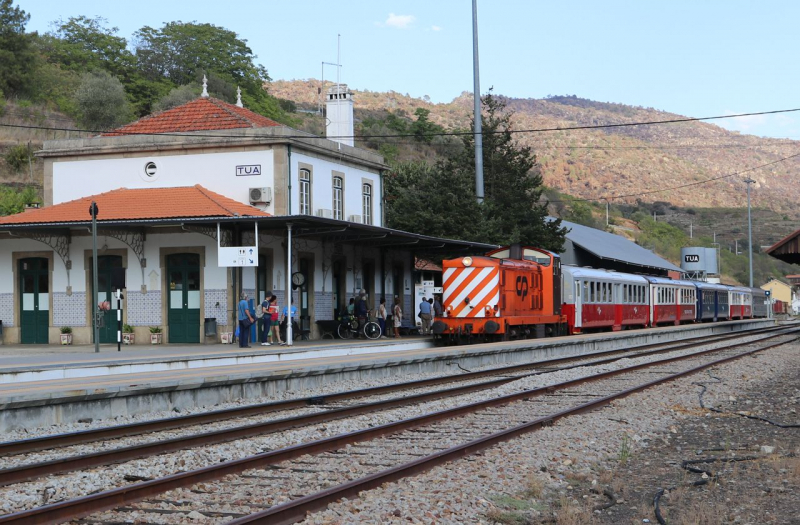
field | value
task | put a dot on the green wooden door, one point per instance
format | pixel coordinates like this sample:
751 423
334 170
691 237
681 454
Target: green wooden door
183 280
105 268
35 297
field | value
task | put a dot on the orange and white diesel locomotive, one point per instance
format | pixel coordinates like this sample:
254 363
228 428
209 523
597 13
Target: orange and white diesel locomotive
512 292
519 292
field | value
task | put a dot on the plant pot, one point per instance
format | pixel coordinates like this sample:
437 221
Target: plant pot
66 339
226 338
127 339
155 339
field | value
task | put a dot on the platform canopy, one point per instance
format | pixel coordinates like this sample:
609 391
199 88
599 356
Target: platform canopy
787 249
199 209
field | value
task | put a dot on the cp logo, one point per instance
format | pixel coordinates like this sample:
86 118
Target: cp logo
522 286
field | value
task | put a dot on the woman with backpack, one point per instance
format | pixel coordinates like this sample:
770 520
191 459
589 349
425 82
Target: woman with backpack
274 323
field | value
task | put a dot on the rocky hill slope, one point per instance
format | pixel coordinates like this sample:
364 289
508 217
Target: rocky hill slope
604 163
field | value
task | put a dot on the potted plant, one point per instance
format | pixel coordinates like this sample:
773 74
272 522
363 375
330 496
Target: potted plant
66 335
155 335
127 334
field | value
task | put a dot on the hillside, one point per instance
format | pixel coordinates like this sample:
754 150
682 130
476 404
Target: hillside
595 164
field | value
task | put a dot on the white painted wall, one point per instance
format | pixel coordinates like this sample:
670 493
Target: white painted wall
322 187
215 171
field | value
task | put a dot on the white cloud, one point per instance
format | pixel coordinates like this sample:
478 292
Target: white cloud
436 28
399 21
778 126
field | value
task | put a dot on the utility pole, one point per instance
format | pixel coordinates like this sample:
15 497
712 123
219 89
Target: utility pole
477 96
606 212
691 233
93 211
749 181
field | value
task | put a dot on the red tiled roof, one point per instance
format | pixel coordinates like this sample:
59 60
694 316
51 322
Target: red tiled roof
201 114
140 204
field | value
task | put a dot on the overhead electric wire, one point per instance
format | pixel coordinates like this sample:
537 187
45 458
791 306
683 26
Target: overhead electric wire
412 135
688 184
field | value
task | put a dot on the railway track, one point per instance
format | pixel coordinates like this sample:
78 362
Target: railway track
310 411
347 463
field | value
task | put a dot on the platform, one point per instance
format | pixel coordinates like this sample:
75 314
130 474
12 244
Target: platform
84 384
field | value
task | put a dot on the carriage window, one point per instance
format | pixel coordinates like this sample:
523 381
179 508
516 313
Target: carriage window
585 291
624 293
591 292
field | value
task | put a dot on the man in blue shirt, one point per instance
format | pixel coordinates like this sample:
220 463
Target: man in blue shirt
245 321
425 315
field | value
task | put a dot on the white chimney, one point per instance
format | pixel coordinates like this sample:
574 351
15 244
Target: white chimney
339 112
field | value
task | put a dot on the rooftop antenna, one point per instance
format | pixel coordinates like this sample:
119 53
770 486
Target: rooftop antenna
338 85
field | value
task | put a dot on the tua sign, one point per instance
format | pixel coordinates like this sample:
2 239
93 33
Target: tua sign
248 170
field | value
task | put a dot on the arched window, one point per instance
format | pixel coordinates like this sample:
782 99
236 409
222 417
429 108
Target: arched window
305 192
366 201
338 198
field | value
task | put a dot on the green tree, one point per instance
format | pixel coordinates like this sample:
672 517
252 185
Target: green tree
423 129
13 201
440 200
176 97
182 51
82 43
428 199
512 211
18 56
101 102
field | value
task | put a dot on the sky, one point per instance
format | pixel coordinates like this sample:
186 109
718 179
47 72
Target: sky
695 58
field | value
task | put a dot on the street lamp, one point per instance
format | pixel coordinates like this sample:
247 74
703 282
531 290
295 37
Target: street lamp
749 181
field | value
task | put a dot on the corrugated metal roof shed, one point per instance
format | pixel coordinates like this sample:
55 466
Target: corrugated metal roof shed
616 248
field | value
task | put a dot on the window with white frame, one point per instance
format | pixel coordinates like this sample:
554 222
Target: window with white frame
366 201
338 198
305 192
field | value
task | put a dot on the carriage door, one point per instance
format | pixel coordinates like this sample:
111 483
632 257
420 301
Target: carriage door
183 317
616 298
557 288
35 307
580 297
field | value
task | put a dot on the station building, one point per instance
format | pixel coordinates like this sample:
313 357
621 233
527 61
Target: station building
174 187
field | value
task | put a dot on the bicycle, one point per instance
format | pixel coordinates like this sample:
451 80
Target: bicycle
349 328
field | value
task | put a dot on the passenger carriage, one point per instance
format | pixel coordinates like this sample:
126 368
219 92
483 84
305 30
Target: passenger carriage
760 303
741 301
600 299
712 302
671 301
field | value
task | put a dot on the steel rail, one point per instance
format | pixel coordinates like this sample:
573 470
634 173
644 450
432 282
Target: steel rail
83 506
25 446
32 471
297 510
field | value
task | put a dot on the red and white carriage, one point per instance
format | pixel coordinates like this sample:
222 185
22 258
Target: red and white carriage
671 301
601 299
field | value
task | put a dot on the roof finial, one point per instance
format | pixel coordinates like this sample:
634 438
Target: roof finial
239 97
204 94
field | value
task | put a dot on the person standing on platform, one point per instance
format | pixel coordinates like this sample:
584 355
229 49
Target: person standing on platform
273 316
397 316
425 315
266 321
362 312
437 307
382 317
245 322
